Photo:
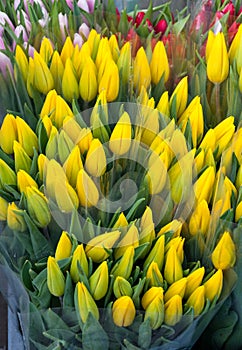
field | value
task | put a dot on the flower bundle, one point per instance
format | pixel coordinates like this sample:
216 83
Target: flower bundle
120 184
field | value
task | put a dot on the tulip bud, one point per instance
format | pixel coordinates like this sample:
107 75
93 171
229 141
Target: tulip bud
65 196
180 95
159 65
79 256
46 49
124 266
223 255
147 234
123 311
197 300
200 219
204 184
24 180
67 50
7 175
42 79
176 288
224 132
65 146
86 190
3 209
110 81
113 44
103 49
163 105
85 139
209 45
194 280
99 281
88 81
154 275
150 295
72 165
22 160
131 238
142 74
95 163
95 247
213 286
15 218
57 71
122 287
124 63
155 313
70 88
178 243
85 302
64 247
238 212
121 222
156 175
218 61
173 268
47 123
175 226
120 139
37 205
22 63
55 278
8 133
49 104
93 42
26 137
157 253
173 310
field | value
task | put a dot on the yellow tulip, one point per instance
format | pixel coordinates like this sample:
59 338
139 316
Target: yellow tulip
57 71
173 310
178 243
141 68
124 63
24 180
121 221
3 209
114 48
64 247
67 50
78 257
204 185
22 63
122 287
176 288
155 313
99 281
131 238
103 50
110 81
213 286
157 253
209 45
218 61
26 137
175 226
47 125
88 81
42 79
224 132
15 218
42 163
163 104
49 105
8 133
55 278
72 166
46 49
85 139
21 158
120 139
194 279
86 189
95 163
124 266
85 302
200 219
159 64
150 295
180 94
224 255
154 275
70 88
37 205
7 175
173 268
123 311
197 300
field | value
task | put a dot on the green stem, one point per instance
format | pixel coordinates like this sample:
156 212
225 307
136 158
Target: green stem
218 104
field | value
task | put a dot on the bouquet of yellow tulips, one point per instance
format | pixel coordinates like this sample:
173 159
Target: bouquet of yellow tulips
120 184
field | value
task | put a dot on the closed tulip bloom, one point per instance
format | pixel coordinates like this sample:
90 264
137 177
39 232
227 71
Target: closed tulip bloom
70 88
208 142
213 286
42 80
26 137
150 295
173 310
124 63
173 268
235 46
53 171
157 253
209 45
178 243
24 180
121 221
163 105
156 175
224 132
57 71
3 209
85 302
238 212
175 226
7 175
49 105
21 62
131 238
154 275
85 139
65 146
67 50
21 158
55 278
197 300
159 64
8 133
224 255
46 121
99 281
238 180
124 266
86 189
194 279
93 42
122 287
73 165
95 247
64 247
15 219
65 196
204 184
79 257
110 81
72 128
95 163
103 49
155 313
46 49
142 74
120 139
181 95
200 219
88 81
37 207
123 311
176 288
218 61
113 44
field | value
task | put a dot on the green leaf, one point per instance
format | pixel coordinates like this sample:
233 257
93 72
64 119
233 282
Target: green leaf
145 334
54 321
179 25
93 335
25 276
68 298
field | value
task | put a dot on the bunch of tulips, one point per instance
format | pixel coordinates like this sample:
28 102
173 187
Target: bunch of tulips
121 174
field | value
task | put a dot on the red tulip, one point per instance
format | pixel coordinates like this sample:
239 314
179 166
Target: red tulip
161 26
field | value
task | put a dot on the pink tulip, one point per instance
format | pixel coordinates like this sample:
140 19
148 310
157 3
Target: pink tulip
91 4
83 5
5 65
63 22
84 30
